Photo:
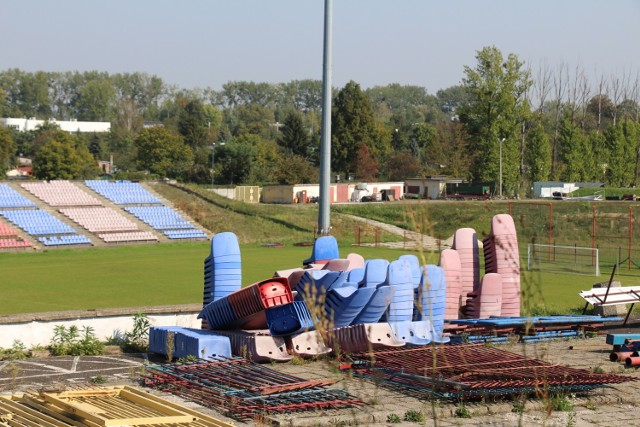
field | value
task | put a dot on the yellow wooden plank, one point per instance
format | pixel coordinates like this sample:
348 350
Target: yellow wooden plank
151 401
204 419
25 415
90 412
40 406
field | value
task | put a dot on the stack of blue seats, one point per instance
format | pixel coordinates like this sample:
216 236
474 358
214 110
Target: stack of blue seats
289 319
123 192
201 344
9 198
324 248
433 291
376 276
222 268
158 339
400 279
314 284
219 314
188 342
414 264
344 304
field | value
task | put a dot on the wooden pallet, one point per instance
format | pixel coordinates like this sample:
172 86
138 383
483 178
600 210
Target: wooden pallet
98 407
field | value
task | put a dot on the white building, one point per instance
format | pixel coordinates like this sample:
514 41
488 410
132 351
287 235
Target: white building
72 126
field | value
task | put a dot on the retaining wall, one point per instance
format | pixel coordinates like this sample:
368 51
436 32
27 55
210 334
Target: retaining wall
37 329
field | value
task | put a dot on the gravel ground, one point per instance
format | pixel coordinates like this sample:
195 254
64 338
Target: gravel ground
615 405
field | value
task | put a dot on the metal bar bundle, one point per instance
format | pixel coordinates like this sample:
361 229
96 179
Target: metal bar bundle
244 389
473 371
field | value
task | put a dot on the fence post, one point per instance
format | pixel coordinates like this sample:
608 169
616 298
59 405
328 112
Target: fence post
630 233
550 228
510 207
618 256
357 235
593 233
377 236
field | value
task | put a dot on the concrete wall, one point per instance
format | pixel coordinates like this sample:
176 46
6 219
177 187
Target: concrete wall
37 329
277 194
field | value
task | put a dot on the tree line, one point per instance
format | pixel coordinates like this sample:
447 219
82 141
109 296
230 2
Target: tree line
505 121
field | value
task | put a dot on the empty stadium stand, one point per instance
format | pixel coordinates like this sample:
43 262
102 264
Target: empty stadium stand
60 193
99 219
9 238
10 198
123 192
99 209
165 219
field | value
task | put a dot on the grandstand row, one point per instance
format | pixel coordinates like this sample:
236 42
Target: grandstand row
38 214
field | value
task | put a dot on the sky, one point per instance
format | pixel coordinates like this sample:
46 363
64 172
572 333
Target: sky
206 43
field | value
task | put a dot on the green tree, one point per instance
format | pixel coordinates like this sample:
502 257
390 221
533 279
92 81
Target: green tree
294 138
451 149
622 142
236 159
63 156
574 149
352 123
163 152
294 169
267 156
495 111
7 149
96 100
193 124
537 154
402 165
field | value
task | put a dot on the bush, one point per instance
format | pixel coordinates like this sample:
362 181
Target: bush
15 352
74 342
414 416
393 419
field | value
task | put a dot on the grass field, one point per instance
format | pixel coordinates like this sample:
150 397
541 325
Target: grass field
162 274
132 276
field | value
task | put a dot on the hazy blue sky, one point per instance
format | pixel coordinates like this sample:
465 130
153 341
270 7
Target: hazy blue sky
200 43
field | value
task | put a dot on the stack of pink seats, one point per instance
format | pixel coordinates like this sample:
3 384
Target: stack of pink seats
486 301
501 256
465 242
450 263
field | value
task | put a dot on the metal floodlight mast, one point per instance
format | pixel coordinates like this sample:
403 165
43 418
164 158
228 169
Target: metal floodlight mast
325 143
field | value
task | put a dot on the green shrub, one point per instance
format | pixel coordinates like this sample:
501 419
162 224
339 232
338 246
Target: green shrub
393 419
560 402
15 352
462 412
414 416
74 342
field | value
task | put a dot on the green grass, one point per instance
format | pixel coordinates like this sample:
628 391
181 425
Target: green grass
132 276
149 275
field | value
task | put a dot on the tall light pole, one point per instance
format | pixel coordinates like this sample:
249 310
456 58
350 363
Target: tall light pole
325 143
500 185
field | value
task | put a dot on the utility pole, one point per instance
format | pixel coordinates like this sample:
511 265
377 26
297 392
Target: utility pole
325 144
